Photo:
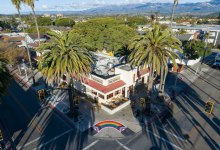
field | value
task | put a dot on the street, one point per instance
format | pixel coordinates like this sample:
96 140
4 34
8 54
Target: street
189 127
34 127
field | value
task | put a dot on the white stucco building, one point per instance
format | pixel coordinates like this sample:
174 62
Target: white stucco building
111 79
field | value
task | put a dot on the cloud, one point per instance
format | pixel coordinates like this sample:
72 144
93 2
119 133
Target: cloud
44 6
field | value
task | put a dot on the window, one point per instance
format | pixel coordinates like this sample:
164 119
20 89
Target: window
94 92
97 80
114 80
117 92
110 96
101 96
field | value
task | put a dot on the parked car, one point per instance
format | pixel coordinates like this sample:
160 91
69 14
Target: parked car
216 64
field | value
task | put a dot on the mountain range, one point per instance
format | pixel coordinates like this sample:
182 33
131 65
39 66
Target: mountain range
200 8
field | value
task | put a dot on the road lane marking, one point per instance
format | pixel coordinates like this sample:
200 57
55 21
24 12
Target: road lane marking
25 145
173 134
130 140
90 145
164 140
53 139
122 145
38 127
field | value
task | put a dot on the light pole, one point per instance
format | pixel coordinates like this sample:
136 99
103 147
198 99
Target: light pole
205 47
24 67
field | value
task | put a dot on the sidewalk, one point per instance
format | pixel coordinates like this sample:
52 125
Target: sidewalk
7 141
188 76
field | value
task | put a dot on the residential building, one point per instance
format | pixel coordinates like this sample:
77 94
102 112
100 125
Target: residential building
213 30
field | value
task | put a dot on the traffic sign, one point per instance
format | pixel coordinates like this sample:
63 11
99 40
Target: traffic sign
1 135
209 107
41 94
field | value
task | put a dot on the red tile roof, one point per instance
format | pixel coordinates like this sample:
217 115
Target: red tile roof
102 88
143 71
34 45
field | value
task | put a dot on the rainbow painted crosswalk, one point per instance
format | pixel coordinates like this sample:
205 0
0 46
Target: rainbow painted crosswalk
109 124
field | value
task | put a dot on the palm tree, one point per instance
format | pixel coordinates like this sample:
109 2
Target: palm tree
4 76
175 3
17 4
31 4
153 50
66 56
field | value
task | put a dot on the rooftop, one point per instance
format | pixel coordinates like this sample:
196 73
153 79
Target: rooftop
184 37
102 88
104 64
198 27
126 67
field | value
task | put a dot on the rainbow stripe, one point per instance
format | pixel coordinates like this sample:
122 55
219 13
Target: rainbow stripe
109 124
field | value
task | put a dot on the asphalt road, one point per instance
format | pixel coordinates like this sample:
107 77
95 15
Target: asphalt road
34 127
189 128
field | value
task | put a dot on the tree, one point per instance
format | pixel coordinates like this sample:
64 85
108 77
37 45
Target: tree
44 21
175 3
42 30
31 4
106 33
4 25
137 20
182 31
4 76
67 56
65 22
195 49
17 4
153 50
13 53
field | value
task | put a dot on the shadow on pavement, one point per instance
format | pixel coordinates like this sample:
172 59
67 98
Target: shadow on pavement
36 126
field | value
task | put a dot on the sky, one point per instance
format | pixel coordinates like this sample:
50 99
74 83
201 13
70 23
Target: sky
6 6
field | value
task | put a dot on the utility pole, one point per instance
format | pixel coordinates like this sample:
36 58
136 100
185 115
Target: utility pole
206 44
205 48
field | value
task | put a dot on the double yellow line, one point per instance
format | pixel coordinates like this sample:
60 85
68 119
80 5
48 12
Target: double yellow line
33 121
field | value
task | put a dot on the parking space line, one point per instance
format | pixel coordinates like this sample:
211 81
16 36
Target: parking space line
122 145
164 140
173 134
53 139
25 145
90 145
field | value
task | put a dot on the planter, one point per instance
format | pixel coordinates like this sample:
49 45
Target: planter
111 109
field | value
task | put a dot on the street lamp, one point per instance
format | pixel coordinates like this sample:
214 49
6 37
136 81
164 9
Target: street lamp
24 67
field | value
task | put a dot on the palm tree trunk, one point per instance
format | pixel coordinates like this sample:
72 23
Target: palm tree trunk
161 80
164 80
70 92
151 78
36 24
172 15
28 51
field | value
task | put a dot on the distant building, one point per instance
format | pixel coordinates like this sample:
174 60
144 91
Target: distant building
59 15
46 15
78 20
185 37
213 30
22 25
13 38
167 22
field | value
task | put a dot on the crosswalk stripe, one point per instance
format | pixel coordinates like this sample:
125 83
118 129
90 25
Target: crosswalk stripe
90 145
164 140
